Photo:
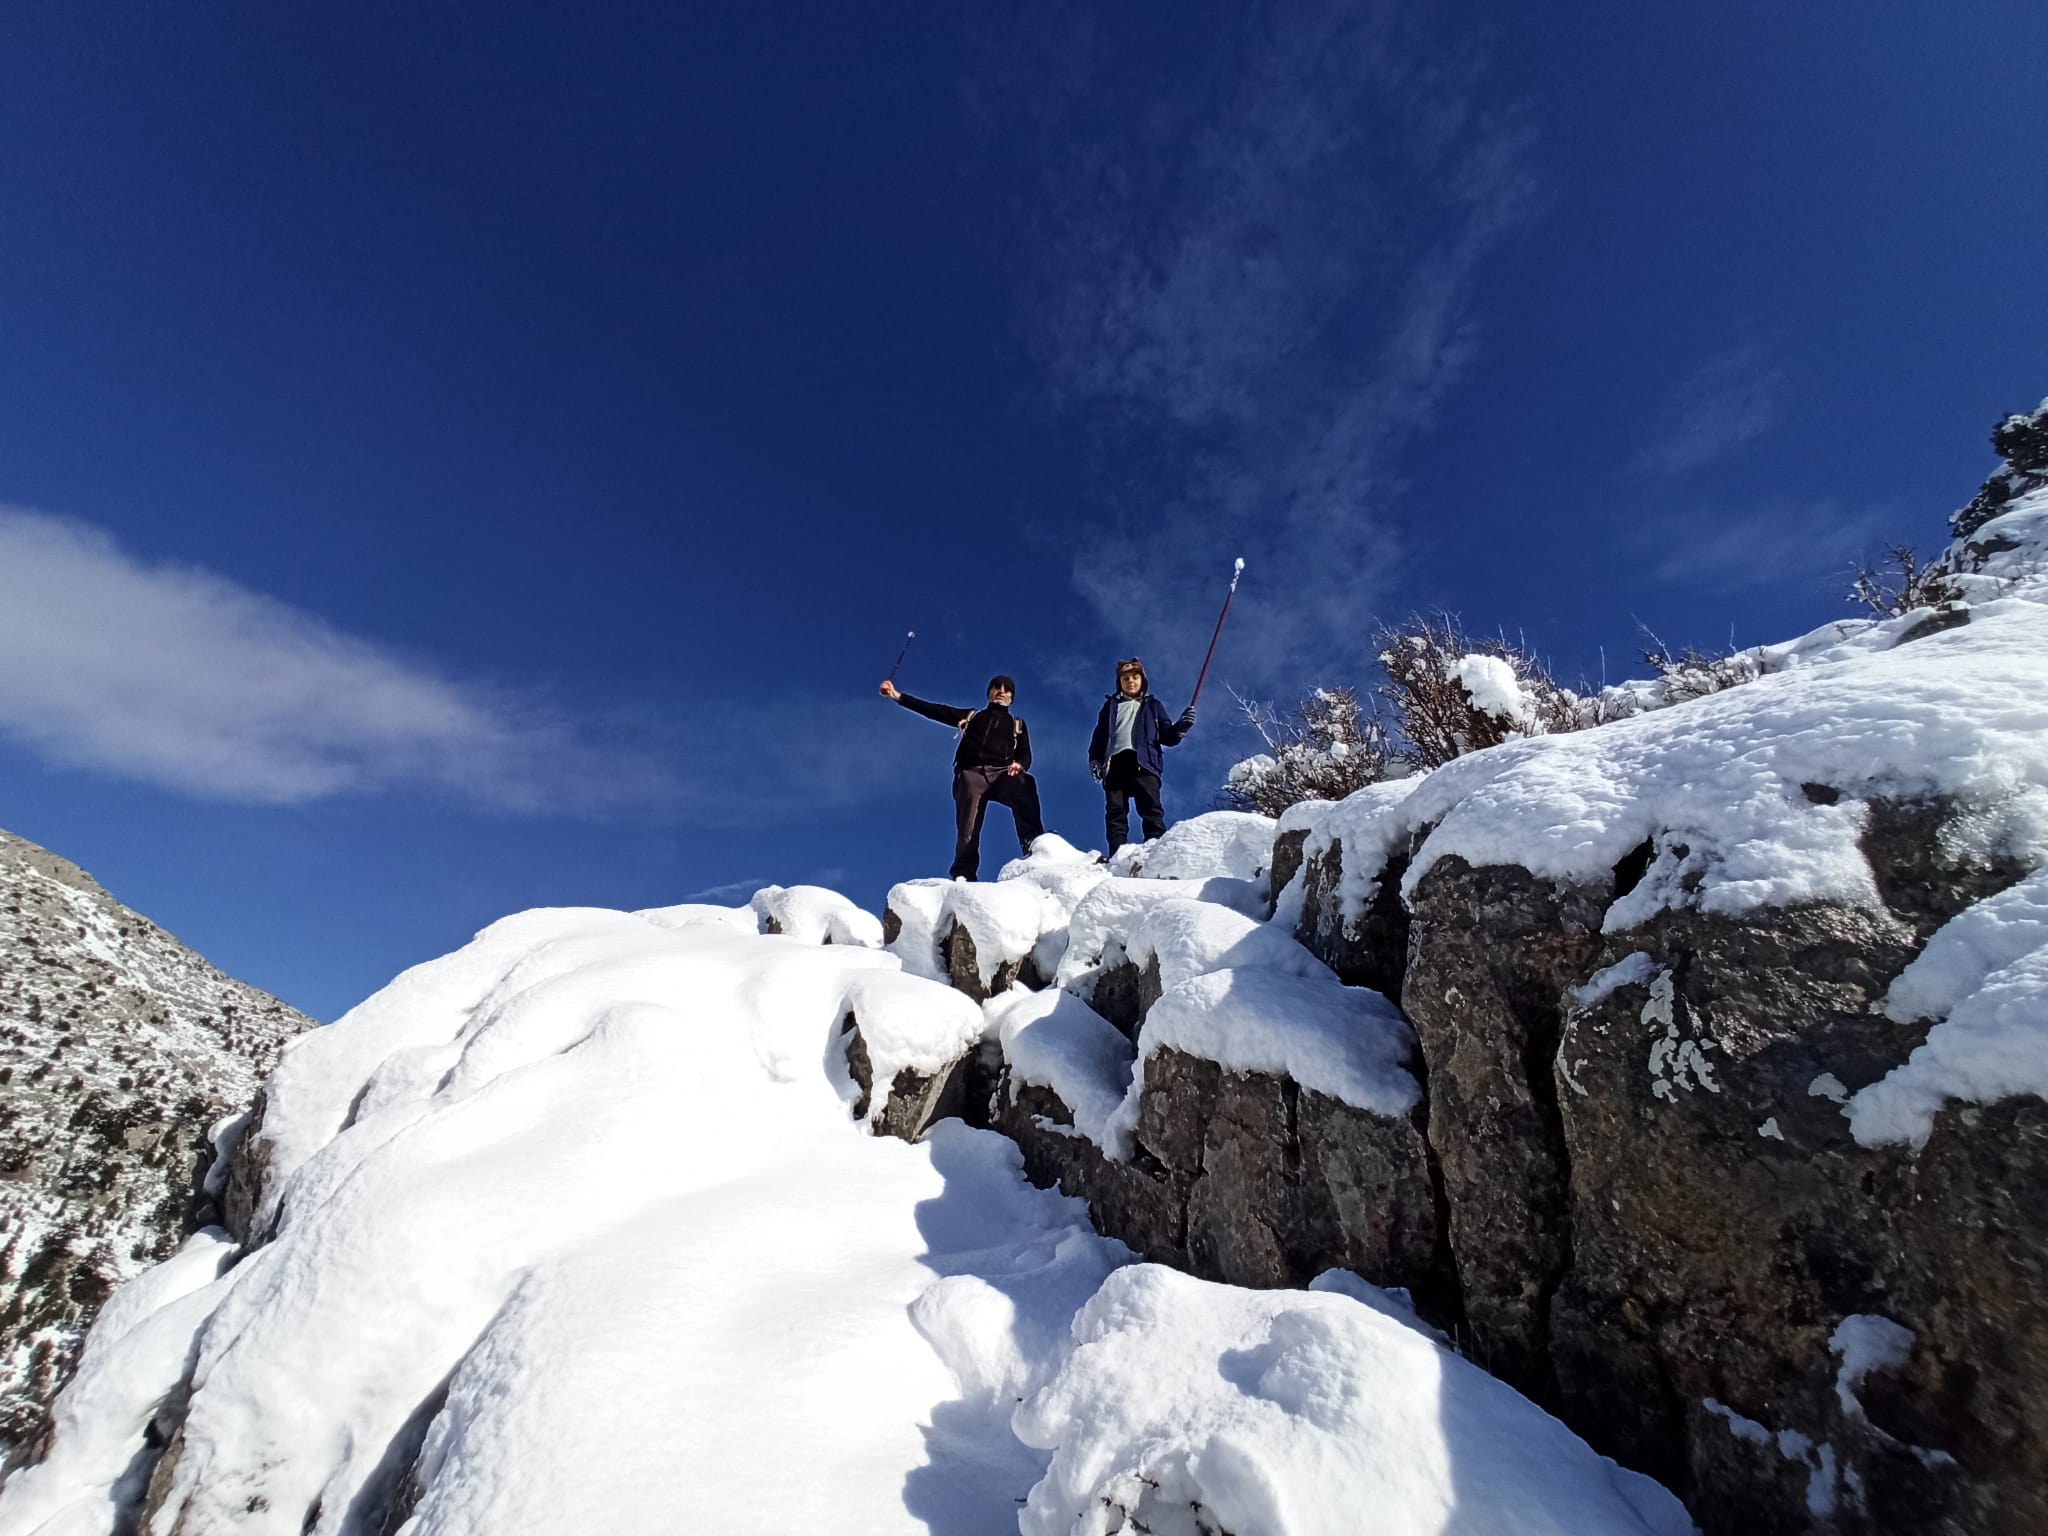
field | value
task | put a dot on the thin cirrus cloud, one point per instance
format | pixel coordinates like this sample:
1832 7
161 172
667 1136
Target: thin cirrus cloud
1259 294
176 676
1723 405
1812 543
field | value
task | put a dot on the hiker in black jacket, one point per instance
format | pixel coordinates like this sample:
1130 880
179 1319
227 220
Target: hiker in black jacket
992 762
1124 753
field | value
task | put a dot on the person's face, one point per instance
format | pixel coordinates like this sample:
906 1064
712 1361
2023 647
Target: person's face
1132 683
999 695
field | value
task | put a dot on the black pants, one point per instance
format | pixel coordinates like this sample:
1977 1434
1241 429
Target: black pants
973 788
1124 780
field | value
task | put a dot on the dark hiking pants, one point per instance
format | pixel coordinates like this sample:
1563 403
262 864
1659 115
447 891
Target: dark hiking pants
1124 780
973 789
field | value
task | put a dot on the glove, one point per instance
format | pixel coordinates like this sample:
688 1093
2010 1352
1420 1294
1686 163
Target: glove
1098 769
1187 718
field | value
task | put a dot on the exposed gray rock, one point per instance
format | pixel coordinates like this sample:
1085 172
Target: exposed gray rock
1724 1223
119 1048
917 1100
1491 952
1140 1203
963 965
1288 851
1373 952
1249 1179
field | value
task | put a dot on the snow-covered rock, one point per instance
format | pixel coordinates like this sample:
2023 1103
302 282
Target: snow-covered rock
1195 1408
1236 844
1733 1021
120 1050
811 914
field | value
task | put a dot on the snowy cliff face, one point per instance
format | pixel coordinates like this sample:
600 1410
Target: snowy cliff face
119 1049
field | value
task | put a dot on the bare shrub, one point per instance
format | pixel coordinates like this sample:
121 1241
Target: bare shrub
1693 674
1900 582
1451 693
1329 746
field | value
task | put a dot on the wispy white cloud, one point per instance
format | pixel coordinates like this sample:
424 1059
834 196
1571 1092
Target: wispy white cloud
732 893
1783 541
176 676
1727 402
1260 296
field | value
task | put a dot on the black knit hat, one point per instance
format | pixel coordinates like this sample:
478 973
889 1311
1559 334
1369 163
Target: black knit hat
1003 680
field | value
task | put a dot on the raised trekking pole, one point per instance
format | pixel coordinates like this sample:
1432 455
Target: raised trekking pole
1236 572
913 635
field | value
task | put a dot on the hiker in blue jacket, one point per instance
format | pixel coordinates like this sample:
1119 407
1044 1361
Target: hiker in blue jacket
1124 753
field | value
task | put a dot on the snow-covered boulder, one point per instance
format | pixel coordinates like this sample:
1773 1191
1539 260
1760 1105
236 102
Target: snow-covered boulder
918 1040
1236 844
1196 1408
811 914
1095 964
987 938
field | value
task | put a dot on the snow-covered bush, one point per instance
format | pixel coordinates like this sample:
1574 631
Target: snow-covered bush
1452 693
1686 674
1329 747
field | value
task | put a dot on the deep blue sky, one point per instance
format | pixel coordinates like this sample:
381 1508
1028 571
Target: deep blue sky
498 449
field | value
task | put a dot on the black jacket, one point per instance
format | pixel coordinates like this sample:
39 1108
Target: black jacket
993 738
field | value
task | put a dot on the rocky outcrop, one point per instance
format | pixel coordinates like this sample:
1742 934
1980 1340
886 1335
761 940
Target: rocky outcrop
1657 1218
119 1050
1249 1179
1491 953
963 965
914 1101
1725 1224
2022 441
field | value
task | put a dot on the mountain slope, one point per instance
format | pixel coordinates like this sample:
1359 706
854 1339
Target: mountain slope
119 1048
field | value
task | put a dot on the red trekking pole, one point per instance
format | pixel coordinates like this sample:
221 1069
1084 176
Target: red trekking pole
1235 573
902 653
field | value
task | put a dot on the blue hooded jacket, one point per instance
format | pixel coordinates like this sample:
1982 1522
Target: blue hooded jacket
1152 730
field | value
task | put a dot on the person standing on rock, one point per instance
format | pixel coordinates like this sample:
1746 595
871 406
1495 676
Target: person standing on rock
992 762
1124 753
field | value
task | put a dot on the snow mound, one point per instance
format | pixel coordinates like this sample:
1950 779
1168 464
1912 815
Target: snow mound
1191 938
1189 1407
810 914
1056 1041
741 918
1237 844
1346 1042
1095 932
909 1023
573 1226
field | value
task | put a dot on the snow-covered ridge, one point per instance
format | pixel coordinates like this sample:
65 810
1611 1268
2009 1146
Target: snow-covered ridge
572 1229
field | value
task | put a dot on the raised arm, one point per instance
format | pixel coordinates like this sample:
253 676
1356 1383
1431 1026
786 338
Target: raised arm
952 716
